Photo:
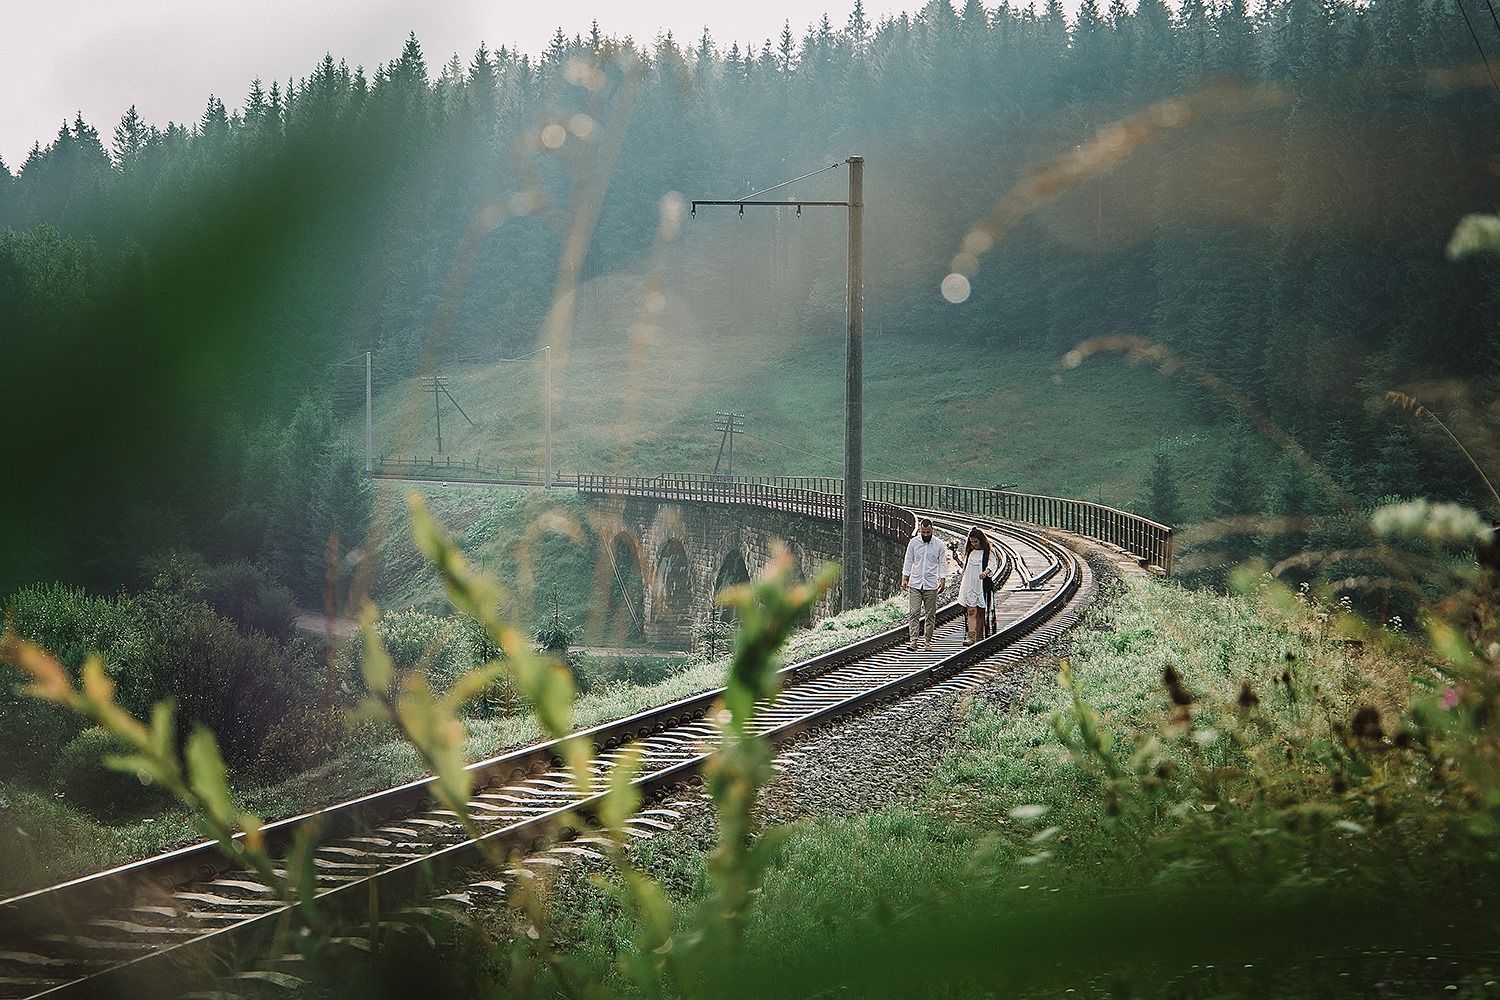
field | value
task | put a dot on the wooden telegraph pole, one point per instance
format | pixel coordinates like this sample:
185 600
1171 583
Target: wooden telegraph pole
728 425
854 513
439 385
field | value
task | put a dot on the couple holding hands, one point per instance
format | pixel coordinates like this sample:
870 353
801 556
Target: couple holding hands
924 574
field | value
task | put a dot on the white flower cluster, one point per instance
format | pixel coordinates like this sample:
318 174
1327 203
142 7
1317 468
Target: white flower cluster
1444 523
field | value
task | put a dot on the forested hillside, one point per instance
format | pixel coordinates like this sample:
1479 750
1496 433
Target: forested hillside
175 297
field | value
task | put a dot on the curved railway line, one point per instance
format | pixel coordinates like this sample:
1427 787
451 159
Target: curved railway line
162 924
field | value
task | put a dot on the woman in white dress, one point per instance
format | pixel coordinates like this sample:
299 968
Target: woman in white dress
979 563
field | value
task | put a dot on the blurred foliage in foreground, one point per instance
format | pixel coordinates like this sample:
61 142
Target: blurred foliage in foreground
1241 795
1221 796
1244 795
194 772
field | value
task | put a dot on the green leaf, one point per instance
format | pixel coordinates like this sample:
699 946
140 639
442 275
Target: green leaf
472 594
99 701
658 919
623 798
766 851
376 665
1474 234
132 764
301 868
49 678
473 684
164 728
1484 825
548 687
1451 645
208 777
255 839
439 737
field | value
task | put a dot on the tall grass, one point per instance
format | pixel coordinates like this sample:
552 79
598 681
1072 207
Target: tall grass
54 840
1264 827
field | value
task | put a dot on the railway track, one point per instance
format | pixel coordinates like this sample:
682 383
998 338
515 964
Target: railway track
168 924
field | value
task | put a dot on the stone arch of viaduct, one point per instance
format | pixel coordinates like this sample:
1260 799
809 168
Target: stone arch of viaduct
684 553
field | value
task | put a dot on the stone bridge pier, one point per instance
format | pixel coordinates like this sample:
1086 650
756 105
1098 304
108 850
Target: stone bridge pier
682 554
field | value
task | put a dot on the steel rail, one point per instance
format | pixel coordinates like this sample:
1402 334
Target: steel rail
123 895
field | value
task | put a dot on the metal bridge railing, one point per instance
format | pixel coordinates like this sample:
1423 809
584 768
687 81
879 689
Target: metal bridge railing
888 520
821 496
480 466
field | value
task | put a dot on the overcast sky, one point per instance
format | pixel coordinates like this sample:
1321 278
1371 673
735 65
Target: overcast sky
60 57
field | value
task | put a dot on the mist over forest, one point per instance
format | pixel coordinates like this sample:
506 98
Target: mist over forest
175 296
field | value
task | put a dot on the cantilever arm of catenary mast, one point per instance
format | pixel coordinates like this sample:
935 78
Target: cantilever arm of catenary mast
852 590
756 194
776 204
773 187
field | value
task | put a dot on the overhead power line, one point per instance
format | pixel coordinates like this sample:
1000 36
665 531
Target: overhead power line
1475 35
783 445
728 424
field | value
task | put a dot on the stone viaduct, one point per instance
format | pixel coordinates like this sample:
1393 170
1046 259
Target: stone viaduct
675 557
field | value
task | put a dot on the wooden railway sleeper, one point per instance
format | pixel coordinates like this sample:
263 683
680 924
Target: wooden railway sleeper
394 835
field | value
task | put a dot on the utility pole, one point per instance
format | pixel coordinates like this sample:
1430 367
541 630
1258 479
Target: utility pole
546 408
440 385
728 424
852 589
369 422
547 420
854 481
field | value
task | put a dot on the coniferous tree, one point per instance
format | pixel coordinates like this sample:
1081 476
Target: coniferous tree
7 193
1089 48
130 141
1287 506
482 93
959 103
1396 470
786 50
1234 35
1234 490
1162 499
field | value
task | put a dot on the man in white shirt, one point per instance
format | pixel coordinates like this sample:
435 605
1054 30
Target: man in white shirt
924 574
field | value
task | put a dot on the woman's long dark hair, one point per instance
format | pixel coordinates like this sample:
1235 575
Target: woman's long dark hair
970 545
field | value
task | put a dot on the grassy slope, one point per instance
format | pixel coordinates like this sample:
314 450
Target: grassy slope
1075 897
854 902
632 399
636 397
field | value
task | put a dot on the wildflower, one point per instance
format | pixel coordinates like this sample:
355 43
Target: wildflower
1451 698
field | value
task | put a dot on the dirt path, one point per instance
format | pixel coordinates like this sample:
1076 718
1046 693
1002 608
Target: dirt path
311 621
